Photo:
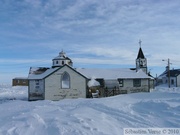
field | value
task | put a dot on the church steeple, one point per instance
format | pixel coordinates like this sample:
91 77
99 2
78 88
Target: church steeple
141 61
140 54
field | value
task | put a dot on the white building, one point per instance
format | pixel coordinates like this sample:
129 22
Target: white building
63 81
173 75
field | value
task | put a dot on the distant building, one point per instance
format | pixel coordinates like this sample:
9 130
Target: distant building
63 81
20 81
174 77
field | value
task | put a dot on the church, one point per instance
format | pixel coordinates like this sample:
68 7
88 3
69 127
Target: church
63 81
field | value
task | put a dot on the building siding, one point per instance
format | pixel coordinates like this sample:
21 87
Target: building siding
53 90
178 81
36 89
129 86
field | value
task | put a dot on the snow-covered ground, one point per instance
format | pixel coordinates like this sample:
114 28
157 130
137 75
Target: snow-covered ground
103 116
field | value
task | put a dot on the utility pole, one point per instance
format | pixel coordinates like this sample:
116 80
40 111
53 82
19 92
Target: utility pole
169 83
169 73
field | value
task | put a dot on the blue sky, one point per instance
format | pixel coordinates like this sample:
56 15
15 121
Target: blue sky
93 33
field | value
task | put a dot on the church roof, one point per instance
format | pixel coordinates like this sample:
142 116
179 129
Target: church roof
140 54
43 72
89 73
40 72
112 73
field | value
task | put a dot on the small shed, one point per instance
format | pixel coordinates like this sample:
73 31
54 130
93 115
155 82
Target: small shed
20 81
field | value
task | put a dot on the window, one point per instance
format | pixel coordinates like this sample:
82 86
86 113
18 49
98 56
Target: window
37 87
65 81
137 82
172 81
56 62
120 82
37 82
17 81
62 62
24 81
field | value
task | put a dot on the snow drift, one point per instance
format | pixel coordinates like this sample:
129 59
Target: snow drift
102 116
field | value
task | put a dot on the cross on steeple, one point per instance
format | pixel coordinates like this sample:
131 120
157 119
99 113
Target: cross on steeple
140 42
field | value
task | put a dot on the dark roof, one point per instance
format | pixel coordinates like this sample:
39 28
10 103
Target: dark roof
140 54
38 70
61 58
173 72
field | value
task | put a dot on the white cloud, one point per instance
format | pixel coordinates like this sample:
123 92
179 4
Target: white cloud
107 52
100 61
90 31
23 62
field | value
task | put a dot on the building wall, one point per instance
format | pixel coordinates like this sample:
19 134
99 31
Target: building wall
61 62
178 81
173 81
151 82
129 86
54 91
165 80
36 90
